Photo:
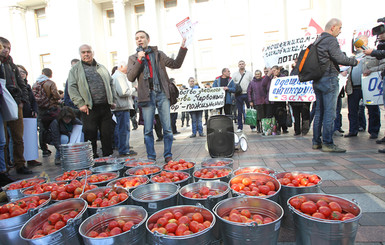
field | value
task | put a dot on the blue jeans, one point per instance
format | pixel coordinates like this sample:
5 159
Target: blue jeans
2 144
161 102
64 139
196 122
123 129
241 101
326 92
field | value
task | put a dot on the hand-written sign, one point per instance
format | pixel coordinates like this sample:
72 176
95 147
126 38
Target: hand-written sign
291 89
372 89
199 99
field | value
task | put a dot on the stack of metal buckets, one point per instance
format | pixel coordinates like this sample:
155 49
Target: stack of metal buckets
76 156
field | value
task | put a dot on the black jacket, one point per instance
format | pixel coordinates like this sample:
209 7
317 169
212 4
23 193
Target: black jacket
32 105
57 128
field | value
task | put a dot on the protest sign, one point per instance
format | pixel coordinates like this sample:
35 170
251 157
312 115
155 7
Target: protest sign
199 99
186 30
372 89
291 89
30 139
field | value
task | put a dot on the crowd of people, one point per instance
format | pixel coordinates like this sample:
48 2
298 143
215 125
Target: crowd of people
92 96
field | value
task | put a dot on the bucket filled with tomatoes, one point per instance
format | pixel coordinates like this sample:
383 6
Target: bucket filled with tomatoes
156 196
254 169
213 173
147 170
70 175
183 224
217 162
180 165
207 193
129 182
13 215
43 188
256 185
14 190
100 179
248 220
324 219
117 167
138 162
117 225
175 177
56 224
294 183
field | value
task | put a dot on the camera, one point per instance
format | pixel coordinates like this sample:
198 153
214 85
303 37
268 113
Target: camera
378 30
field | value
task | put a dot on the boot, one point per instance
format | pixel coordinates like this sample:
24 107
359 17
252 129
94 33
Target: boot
305 127
258 126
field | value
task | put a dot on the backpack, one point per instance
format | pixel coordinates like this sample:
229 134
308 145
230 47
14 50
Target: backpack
41 97
308 63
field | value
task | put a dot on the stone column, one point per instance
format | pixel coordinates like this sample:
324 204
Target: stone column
151 21
121 34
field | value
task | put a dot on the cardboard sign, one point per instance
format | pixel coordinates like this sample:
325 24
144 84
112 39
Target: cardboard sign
199 99
372 89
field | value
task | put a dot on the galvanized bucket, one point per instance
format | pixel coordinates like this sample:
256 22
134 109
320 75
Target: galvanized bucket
94 210
289 191
10 228
112 175
17 193
68 235
135 236
77 176
154 197
189 170
181 183
223 179
76 156
249 233
154 168
254 169
263 178
204 237
117 167
116 182
310 230
210 201
32 188
138 162
214 162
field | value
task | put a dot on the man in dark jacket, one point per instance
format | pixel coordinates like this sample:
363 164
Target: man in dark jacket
18 89
148 66
326 88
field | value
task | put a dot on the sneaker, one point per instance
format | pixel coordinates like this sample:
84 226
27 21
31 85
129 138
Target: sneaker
373 136
193 136
159 139
337 133
381 151
202 135
239 130
285 132
57 161
46 153
332 148
34 163
188 125
23 170
381 141
341 131
316 147
253 130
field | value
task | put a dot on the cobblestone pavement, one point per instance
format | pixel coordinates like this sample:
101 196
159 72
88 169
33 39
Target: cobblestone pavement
358 174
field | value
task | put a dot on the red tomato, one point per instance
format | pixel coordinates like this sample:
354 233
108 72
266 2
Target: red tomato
318 215
235 218
113 224
335 207
53 218
309 207
322 203
246 213
127 226
171 227
198 217
93 234
184 220
181 229
115 231
161 222
325 210
336 215
60 224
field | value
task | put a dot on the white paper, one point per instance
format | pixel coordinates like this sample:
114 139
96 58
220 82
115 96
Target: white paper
30 139
186 30
372 89
77 134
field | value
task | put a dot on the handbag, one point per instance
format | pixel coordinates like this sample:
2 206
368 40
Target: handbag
269 126
174 93
238 88
251 117
9 108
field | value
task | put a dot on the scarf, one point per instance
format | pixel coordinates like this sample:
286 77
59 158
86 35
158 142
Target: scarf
146 71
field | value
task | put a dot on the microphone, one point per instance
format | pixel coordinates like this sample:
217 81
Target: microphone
358 43
139 49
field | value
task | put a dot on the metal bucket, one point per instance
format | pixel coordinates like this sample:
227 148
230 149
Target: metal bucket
103 160
33 187
94 210
10 228
181 183
17 193
76 156
263 178
79 174
249 233
68 235
144 179
217 162
154 197
153 168
309 230
189 170
138 162
135 236
254 169
121 160
289 191
223 179
112 175
204 237
117 167
210 201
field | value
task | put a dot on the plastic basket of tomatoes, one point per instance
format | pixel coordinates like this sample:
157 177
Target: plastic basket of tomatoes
254 169
180 165
324 219
129 182
218 162
256 185
176 177
181 225
115 225
213 173
70 175
147 170
100 179
14 190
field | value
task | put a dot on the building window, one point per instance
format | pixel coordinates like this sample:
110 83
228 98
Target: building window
110 21
41 22
170 3
45 61
114 58
139 12
201 1
139 9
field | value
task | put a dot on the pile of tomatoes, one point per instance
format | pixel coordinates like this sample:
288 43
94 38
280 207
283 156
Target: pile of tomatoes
70 175
246 170
45 187
215 164
145 170
212 173
131 181
253 187
21 206
55 222
97 178
138 163
170 177
115 227
245 216
105 198
72 190
178 165
24 183
202 193
299 180
320 209
177 223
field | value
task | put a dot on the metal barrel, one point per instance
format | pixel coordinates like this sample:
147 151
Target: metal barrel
135 236
249 233
309 230
211 162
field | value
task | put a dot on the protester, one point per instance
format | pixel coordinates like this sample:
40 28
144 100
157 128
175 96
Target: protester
280 110
185 114
256 97
196 116
207 85
148 66
174 116
266 80
228 85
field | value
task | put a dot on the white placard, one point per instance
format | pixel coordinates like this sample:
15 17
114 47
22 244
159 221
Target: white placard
199 99
76 134
372 89
30 139
291 89
186 30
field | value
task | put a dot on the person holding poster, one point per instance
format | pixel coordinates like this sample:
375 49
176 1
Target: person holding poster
228 85
148 66
326 88
196 116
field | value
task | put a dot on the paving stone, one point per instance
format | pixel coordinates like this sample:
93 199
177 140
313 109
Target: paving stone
380 195
370 234
379 181
368 202
287 165
374 189
380 171
328 163
329 175
356 182
372 219
299 162
349 174
364 160
342 189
